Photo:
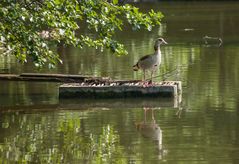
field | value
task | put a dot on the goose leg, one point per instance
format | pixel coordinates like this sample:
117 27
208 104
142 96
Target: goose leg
144 75
152 75
145 83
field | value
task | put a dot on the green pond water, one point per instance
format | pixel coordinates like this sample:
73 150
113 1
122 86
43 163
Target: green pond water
37 127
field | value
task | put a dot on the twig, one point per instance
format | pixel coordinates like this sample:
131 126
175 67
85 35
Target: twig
164 74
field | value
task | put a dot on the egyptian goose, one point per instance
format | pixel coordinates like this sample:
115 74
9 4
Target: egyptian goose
152 61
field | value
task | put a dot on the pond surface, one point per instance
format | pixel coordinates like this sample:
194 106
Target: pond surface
35 126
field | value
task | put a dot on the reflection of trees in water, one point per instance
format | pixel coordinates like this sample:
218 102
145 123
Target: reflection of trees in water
7 62
26 93
88 136
30 138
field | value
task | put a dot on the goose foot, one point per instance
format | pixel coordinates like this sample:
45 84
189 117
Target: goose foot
147 83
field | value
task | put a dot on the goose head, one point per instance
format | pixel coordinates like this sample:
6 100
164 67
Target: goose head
158 42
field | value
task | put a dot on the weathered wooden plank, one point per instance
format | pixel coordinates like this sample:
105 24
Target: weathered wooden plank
11 77
41 77
76 90
8 76
54 75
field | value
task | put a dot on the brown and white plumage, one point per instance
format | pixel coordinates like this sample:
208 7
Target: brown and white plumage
152 61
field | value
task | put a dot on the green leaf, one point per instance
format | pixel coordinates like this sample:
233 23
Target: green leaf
115 2
33 29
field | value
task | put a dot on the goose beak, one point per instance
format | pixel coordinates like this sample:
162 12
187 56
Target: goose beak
164 42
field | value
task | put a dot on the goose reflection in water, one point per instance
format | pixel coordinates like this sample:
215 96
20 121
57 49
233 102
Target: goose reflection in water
150 129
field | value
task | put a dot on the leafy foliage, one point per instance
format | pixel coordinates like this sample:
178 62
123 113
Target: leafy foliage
31 29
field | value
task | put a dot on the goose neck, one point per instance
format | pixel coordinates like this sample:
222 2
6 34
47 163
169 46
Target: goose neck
157 51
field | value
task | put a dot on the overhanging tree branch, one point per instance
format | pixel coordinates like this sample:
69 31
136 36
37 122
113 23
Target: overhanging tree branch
27 20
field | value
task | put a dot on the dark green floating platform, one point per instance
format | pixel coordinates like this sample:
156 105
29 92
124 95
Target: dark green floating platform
119 89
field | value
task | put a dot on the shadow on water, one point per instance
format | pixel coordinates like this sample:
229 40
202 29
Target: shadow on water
86 104
116 103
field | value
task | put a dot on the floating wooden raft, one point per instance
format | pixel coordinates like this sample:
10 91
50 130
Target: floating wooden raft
120 89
